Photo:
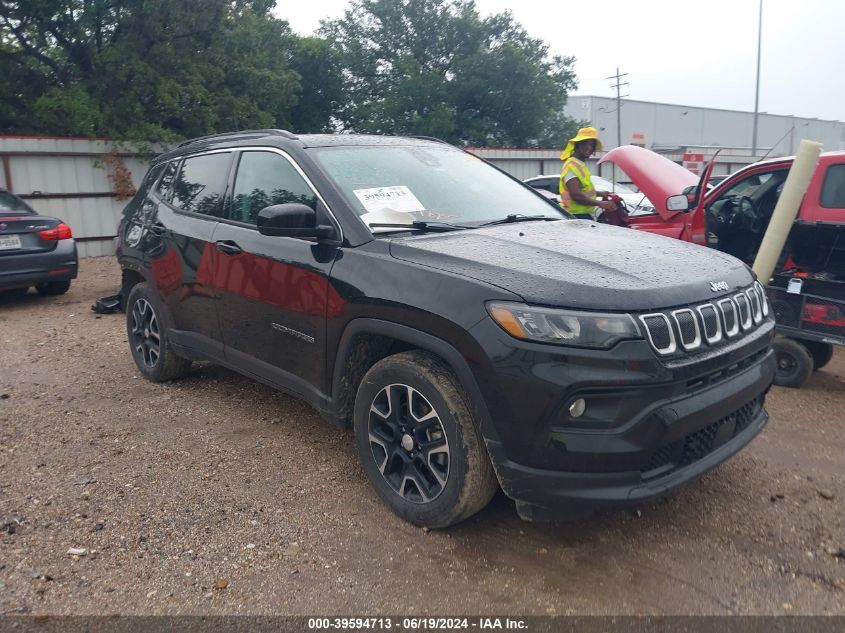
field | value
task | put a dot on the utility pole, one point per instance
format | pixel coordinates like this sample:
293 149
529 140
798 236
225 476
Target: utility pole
618 85
757 88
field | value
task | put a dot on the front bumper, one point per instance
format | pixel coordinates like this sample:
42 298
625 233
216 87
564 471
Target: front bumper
27 269
654 425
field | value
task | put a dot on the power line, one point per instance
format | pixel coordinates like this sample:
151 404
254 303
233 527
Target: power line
618 85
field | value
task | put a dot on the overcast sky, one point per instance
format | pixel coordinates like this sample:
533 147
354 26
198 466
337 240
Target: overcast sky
677 51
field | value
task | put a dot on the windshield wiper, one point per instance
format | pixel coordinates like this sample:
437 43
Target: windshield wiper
518 217
421 225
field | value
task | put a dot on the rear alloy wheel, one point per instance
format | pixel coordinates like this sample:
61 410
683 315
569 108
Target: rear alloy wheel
53 287
148 341
418 442
146 338
794 363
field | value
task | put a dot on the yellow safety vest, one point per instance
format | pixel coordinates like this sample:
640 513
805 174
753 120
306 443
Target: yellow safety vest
573 167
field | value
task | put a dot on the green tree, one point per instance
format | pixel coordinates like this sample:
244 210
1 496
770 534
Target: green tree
145 69
321 91
435 67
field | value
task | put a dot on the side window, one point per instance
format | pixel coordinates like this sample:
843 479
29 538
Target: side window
833 188
166 179
264 179
143 190
201 184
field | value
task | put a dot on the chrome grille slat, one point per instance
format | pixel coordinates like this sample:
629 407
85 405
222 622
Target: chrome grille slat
764 303
745 318
713 320
666 349
730 316
707 323
756 309
695 343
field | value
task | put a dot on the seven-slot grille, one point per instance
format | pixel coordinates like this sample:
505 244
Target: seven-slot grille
709 323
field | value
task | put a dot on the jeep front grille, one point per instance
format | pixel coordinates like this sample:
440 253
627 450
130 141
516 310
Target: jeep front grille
705 324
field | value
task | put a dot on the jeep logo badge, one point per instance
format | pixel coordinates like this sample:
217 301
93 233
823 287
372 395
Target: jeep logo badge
716 286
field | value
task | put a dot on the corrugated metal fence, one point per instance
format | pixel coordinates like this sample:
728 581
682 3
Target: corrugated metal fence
68 178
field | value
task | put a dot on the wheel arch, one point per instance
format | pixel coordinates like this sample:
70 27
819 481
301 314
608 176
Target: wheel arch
366 341
129 278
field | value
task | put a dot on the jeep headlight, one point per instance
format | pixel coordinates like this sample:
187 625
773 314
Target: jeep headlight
563 327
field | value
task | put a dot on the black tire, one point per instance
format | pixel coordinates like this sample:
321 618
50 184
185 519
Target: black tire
49 288
820 352
794 363
437 471
147 326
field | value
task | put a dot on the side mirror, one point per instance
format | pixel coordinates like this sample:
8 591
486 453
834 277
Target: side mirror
292 219
677 203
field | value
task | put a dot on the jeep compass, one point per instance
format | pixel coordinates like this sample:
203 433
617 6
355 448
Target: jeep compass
470 333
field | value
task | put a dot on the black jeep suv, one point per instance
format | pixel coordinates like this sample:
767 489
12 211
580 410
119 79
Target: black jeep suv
470 333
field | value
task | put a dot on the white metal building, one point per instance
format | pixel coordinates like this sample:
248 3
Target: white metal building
663 126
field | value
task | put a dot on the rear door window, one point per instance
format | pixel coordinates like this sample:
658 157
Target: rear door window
143 190
200 185
163 189
833 188
265 179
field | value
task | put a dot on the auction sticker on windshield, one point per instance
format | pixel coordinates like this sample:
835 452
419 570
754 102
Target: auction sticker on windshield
398 198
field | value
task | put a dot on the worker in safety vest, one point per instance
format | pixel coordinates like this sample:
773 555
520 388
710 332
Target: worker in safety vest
577 194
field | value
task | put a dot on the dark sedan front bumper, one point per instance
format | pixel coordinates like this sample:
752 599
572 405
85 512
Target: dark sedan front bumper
21 270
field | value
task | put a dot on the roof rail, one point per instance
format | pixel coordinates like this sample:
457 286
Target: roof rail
431 138
245 133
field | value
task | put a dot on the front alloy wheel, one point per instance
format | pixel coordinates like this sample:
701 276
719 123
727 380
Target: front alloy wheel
146 338
408 443
418 441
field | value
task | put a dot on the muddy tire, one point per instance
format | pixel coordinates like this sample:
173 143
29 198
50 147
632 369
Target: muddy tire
418 442
147 327
49 288
821 353
794 363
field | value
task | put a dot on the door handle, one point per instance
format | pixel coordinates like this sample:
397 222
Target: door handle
228 247
158 229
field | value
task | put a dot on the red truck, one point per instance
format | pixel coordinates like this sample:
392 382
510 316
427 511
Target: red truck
807 290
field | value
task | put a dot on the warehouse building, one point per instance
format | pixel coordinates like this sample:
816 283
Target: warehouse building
665 127
688 135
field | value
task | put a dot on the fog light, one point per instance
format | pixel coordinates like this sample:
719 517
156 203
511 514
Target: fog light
577 408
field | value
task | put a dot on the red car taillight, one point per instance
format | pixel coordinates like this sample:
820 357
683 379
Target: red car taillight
59 232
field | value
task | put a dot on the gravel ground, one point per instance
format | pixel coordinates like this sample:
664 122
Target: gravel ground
218 495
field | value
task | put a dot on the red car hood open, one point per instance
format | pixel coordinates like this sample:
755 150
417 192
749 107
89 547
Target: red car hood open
654 175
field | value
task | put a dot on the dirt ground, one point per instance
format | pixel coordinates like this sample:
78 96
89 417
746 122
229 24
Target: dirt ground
217 495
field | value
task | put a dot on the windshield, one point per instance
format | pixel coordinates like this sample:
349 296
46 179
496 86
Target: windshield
443 184
10 202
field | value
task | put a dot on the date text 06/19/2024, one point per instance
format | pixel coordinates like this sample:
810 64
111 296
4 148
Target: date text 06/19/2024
415 624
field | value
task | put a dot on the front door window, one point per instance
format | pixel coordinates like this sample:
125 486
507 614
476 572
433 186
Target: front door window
738 218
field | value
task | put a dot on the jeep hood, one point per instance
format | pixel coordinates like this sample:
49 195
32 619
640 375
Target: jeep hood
578 264
655 175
